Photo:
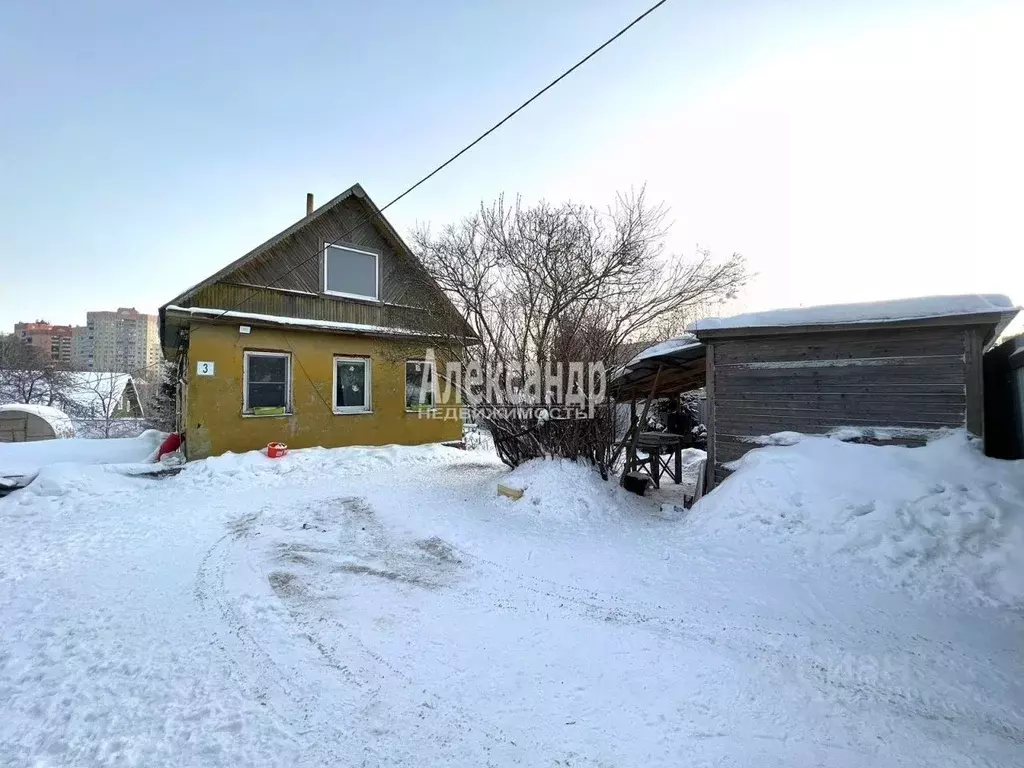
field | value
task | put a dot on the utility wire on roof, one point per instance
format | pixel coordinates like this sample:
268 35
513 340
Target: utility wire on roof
378 211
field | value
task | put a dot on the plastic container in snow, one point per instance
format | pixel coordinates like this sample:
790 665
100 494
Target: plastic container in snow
276 450
636 483
171 444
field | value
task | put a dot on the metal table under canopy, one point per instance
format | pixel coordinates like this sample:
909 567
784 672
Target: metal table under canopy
663 455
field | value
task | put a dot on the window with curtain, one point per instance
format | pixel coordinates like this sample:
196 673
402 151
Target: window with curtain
419 385
351 385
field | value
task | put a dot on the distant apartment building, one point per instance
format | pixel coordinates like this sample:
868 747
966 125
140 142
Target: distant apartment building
126 340
81 348
52 341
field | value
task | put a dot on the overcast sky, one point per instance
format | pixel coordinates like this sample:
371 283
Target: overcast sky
852 151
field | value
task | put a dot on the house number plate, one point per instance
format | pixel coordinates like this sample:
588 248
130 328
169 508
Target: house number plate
204 368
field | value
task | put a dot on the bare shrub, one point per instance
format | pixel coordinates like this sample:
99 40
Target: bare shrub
549 283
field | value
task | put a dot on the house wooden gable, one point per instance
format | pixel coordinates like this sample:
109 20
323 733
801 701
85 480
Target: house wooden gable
284 277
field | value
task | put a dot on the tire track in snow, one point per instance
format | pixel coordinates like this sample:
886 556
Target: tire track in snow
599 606
850 688
313 722
746 640
358 513
641 612
465 720
209 591
253 667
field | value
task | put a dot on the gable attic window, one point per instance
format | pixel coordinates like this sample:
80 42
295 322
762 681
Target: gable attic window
268 383
350 273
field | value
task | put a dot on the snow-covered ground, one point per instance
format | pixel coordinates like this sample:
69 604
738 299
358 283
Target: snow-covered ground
384 607
26 459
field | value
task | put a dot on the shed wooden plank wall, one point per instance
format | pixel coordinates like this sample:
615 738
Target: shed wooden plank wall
814 382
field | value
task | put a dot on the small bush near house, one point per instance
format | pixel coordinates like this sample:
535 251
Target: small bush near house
548 284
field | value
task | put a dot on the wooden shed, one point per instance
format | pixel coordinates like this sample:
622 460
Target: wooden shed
897 371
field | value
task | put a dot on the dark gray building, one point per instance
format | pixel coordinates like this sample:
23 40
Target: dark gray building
895 371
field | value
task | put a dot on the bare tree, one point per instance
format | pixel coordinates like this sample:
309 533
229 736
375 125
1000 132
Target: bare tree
157 396
545 283
27 375
105 404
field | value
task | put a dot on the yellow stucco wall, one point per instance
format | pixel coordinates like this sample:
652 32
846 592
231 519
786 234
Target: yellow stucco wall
214 422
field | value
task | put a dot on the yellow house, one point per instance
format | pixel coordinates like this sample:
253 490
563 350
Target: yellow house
325 335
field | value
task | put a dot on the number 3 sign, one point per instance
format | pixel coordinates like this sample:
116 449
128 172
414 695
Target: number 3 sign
204 369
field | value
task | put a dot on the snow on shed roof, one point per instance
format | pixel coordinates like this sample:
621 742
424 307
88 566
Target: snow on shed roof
677 363
898 310
686 341
59 421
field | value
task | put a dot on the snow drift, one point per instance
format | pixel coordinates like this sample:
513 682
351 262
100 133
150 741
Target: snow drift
28 458
943 519
564 491
255 468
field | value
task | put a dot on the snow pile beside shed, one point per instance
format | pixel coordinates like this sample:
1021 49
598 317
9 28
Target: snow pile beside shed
942 520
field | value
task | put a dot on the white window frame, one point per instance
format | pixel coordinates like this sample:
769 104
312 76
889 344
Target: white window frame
376 273
246 410
367 407
433 387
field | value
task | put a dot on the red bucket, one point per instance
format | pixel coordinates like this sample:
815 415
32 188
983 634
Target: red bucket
276 450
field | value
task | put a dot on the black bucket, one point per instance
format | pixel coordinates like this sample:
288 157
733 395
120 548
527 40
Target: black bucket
635 483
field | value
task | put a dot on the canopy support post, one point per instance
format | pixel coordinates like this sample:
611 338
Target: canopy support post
634 434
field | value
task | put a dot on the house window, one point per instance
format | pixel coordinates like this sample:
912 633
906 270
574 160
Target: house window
350 273
268 383
419 385
352 385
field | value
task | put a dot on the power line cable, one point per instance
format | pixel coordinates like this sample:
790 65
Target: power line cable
378 211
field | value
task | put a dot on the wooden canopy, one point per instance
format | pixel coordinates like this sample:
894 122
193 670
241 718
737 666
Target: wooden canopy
681 365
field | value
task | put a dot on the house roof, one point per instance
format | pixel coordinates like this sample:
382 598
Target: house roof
98 390
355 190
924 310
85 391
377 218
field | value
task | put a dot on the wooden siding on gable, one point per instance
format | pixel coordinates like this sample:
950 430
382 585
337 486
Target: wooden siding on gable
291 272
266 301
819 381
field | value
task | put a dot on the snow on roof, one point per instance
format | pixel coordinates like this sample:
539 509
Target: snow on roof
868 312
95 391
686 341
298 321
59 421
662 348
87 393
